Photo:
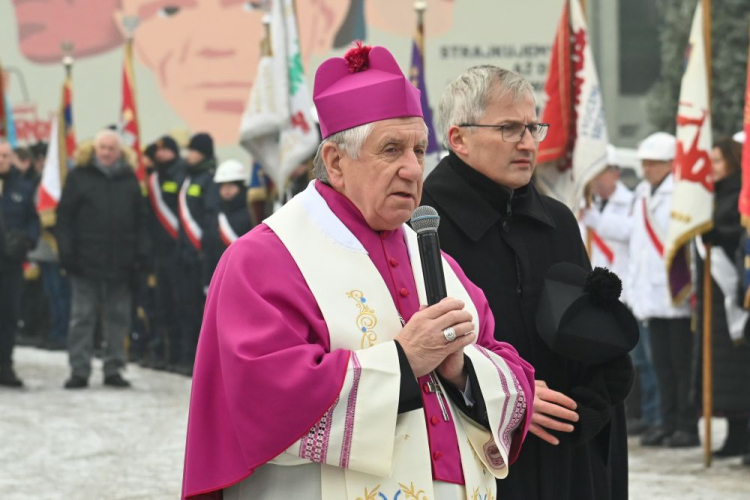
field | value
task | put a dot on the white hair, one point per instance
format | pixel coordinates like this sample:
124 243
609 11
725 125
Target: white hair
108 133
349 140
466 98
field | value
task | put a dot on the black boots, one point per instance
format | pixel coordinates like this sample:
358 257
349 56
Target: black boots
8 377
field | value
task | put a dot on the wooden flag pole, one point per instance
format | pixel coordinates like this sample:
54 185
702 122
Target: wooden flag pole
707 291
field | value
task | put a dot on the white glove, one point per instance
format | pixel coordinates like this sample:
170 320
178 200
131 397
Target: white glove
591 217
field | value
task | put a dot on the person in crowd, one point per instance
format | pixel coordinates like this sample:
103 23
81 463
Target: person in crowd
32 320
102 238
23 161
39 152
379 395
730 350
197 200
19 229
669 325
506 235
609 223
164 181
233 217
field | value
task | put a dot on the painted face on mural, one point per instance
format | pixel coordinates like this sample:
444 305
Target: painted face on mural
204 53
44 24
398 16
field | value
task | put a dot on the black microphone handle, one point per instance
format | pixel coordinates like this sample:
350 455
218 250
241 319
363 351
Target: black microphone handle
432 266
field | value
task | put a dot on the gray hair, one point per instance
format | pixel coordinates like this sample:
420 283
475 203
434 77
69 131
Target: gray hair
107 133
349 140
466 98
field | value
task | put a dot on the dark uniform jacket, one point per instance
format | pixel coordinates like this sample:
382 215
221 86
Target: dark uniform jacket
237 213
170 177
731 361
20 219
101 221
505 241
201 198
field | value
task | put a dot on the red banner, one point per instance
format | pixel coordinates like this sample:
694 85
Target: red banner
129 115
558 111
745 195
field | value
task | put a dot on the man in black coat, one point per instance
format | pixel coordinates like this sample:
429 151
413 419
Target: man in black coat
103 240
505 236
19 231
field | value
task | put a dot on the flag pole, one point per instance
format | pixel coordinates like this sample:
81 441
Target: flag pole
420 6
707 290
62 138
587 190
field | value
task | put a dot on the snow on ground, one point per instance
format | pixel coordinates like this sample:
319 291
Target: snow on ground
103 443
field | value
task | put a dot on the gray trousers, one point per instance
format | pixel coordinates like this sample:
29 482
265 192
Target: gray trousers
114 299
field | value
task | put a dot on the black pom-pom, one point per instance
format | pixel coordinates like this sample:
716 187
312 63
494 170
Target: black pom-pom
603 286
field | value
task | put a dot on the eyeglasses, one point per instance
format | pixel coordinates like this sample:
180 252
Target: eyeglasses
514 132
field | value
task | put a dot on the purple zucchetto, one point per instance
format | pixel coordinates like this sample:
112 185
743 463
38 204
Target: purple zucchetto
364 86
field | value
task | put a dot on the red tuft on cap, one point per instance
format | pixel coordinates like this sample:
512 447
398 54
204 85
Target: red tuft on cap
358 57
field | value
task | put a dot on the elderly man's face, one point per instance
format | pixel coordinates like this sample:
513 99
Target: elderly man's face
509 164
6 155
385 182
107 150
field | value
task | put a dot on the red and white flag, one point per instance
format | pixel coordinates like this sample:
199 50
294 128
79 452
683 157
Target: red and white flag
693 199
53 176
575 149
129 113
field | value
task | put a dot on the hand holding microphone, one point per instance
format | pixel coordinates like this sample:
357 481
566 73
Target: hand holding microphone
434 337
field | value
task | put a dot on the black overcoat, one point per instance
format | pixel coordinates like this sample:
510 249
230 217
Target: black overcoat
731 360
505 241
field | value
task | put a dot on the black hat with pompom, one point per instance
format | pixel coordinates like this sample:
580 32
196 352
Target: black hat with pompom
580 316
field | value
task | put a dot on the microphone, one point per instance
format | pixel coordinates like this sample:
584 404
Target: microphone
425 221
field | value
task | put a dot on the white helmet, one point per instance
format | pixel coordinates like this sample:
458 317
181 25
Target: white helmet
232 171
659 146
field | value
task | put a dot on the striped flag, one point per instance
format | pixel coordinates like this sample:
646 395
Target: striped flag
575 150
7 127
67 142
60 157
129 113
416 76
692 207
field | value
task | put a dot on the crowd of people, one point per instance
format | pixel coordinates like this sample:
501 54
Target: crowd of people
122 268
125 268
628 229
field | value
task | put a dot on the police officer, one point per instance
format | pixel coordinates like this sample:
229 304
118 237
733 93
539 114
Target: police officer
19 224
669 326
233 217
197 199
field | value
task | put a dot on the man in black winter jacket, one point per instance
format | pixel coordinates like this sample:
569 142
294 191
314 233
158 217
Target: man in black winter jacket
19 231
505 236
102 238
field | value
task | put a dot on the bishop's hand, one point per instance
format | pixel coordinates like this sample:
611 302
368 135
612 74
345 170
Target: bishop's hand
425 345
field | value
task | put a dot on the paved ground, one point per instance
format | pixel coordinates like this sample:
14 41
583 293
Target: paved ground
126 445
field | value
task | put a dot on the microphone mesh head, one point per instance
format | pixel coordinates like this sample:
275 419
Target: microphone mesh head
425 219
